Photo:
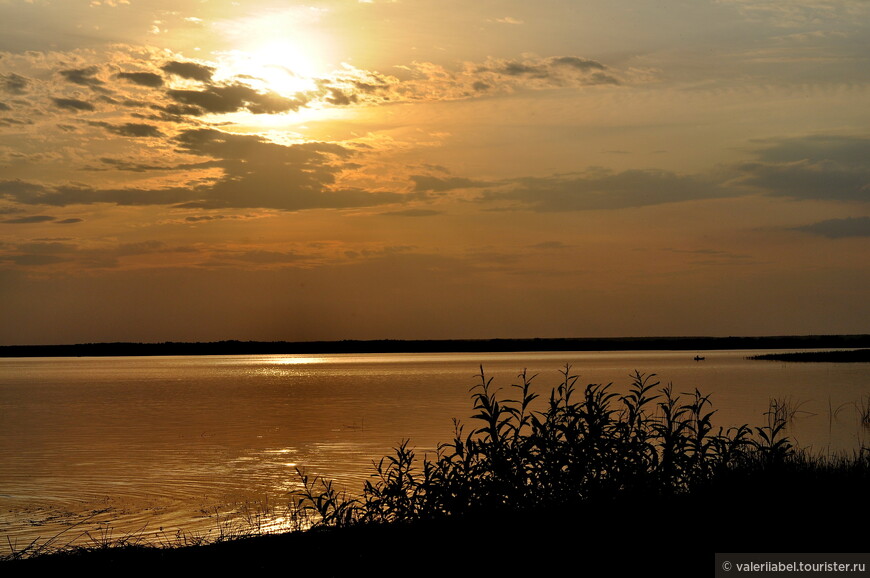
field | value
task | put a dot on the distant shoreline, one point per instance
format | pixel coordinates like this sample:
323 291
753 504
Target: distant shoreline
233 347
840 356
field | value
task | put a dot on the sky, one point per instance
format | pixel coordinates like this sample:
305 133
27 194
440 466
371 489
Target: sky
200 170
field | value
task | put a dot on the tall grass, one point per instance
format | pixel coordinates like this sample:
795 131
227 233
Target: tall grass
579 444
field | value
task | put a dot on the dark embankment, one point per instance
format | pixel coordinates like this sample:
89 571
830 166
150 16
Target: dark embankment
850 356
426 346
809 512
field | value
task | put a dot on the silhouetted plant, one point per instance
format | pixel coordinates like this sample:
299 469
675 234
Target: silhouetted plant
320 497
572 447
773 445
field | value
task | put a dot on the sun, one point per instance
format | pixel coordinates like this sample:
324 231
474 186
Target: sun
277 66
280 51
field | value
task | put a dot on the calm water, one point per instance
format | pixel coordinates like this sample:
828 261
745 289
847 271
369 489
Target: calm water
114 446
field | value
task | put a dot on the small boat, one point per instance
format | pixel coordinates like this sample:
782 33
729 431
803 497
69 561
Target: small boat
699 358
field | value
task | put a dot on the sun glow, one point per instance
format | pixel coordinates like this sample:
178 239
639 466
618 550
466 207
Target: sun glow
276 66
280 51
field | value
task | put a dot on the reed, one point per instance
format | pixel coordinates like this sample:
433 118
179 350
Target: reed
580 445
862 407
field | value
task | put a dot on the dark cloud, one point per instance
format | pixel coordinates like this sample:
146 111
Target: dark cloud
204 218
426 81
555 71
19 188
266 257
428 183
4 106
814 167
130 129
815 148
84 77
123 165
514 68
29 220
604 190
15 122
232 98
47 246
602 78
339 98
256 174
190 70
414 213
177 112
35 259
69 221
72 104
577 63
839 228
142 78
14 83
259 173
80 194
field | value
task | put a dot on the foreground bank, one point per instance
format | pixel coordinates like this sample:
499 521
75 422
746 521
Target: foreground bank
678 536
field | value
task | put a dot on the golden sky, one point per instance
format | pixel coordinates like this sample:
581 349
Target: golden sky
276 170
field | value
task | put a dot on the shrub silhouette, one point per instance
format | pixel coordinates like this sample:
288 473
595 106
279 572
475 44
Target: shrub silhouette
585 444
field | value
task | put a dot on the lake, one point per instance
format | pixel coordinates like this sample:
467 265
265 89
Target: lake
100 448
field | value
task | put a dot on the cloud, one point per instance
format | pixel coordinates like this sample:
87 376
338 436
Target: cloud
49 252
84 77
800 13
425 81
233 98
600 189
15 122
255 174
73 104
176 99
190 70
130 129
259 173
205 218
65 195
14 83
142 78
266 257
545 72
413 213
576 63
820 167
839 228
122 165
29 220
35 259
427 183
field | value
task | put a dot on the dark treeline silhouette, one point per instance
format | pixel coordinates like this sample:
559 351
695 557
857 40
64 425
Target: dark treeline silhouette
233 347
847 356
